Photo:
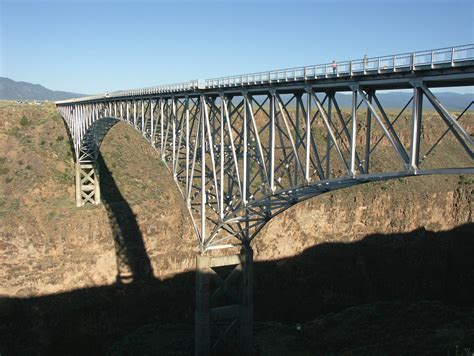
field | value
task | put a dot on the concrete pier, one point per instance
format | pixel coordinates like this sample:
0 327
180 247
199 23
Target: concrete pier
87 183
219 311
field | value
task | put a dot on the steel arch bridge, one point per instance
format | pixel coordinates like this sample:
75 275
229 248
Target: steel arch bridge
242 149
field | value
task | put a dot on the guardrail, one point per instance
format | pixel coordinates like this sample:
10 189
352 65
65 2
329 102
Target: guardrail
449 56
364 66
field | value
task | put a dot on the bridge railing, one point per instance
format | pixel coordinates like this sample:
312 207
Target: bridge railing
449 56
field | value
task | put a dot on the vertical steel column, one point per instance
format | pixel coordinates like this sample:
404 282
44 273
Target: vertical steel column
222 160
296 139
74 130
308 135
162 144
328 137
354 133
367 134
203 173
152 136
127 107
135 114
143 115
187 147
80 122
417 112
272 141
245 172
173 126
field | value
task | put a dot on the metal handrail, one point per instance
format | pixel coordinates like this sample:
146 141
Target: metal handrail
365 66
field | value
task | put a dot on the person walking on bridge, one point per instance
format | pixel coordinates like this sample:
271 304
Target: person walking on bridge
334 67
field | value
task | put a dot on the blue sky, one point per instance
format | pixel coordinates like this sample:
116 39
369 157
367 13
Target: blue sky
96 46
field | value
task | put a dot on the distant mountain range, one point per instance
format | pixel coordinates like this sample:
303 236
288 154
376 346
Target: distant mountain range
12 90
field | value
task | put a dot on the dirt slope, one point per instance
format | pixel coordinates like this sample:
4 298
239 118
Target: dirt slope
46 244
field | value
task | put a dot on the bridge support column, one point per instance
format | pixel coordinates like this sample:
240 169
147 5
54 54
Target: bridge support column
87 183
224 303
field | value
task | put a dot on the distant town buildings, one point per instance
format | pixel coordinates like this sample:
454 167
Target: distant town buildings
31 102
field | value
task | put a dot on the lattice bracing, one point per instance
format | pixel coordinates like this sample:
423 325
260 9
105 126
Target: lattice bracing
243 151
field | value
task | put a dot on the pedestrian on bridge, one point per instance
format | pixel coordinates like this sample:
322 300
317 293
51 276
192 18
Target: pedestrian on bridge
334 67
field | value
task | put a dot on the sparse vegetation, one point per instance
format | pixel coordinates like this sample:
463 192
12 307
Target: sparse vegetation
463 180
65 178
24 121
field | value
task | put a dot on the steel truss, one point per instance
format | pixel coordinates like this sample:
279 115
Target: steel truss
243 149
240 158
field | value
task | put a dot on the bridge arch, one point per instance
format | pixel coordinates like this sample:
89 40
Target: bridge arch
93 137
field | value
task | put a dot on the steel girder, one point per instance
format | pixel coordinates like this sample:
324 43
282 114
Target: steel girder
240 158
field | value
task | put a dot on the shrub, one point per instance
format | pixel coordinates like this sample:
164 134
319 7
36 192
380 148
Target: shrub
24 121
465 181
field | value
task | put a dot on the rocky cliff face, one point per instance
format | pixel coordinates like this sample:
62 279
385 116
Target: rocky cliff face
433 203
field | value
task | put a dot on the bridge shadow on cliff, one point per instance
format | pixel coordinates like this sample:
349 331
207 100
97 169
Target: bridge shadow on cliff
133 263
156 316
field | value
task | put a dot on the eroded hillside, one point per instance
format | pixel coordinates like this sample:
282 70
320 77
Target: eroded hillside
44 235
47 244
